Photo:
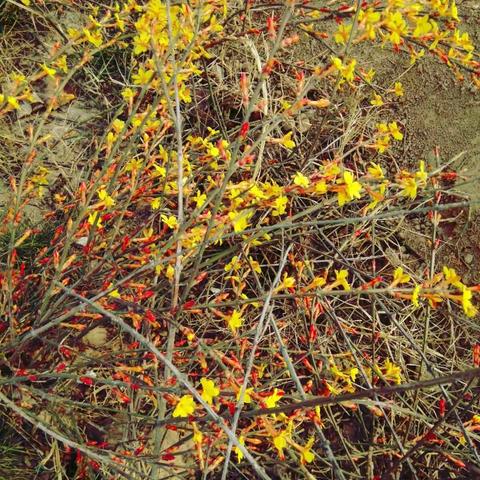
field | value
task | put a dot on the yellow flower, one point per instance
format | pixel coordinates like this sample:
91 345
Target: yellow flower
215 26
170 221
128 94
95 38
48 70
142 77
279 206
341 279
240 220
317 282
285 105
462 39
257 193
467 305
422 26
185 407
61 63
369 18
353 187
73 33
332 389
421 174
287 282
118 125
398 89
40 180
287 141
238 452
18 78
330 169
13 102
347 71
280 442
377 100
321 187
395 131
133 165
170 272
247 396
306 455
392 372
397 26
368 76
382 143
349 190
108 201
337 63
200 198
452 278
376 171
114 294
454 10
342 34
147 232
255 265
155 203
159 171
210 391
301 180
233 265
400 277
197 434
377 196
409 187
272 400
337 373
382 127
415 295
235 320
281 439
184 93
94 219
414 56
212 150
141 43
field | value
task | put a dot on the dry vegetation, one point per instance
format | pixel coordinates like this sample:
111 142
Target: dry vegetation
205 265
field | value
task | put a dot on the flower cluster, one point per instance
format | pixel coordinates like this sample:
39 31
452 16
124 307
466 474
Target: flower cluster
176 231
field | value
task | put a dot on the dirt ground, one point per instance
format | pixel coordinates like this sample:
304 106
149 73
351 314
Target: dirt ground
443 117
441 120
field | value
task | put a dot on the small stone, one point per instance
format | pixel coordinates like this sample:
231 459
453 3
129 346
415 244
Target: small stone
24 110
82 241
468 258
96 337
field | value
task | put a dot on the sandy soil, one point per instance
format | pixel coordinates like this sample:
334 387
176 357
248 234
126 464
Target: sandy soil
441 121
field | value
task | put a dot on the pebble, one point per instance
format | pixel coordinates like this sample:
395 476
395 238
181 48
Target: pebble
96 337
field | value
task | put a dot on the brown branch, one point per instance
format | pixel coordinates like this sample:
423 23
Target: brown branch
348 397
